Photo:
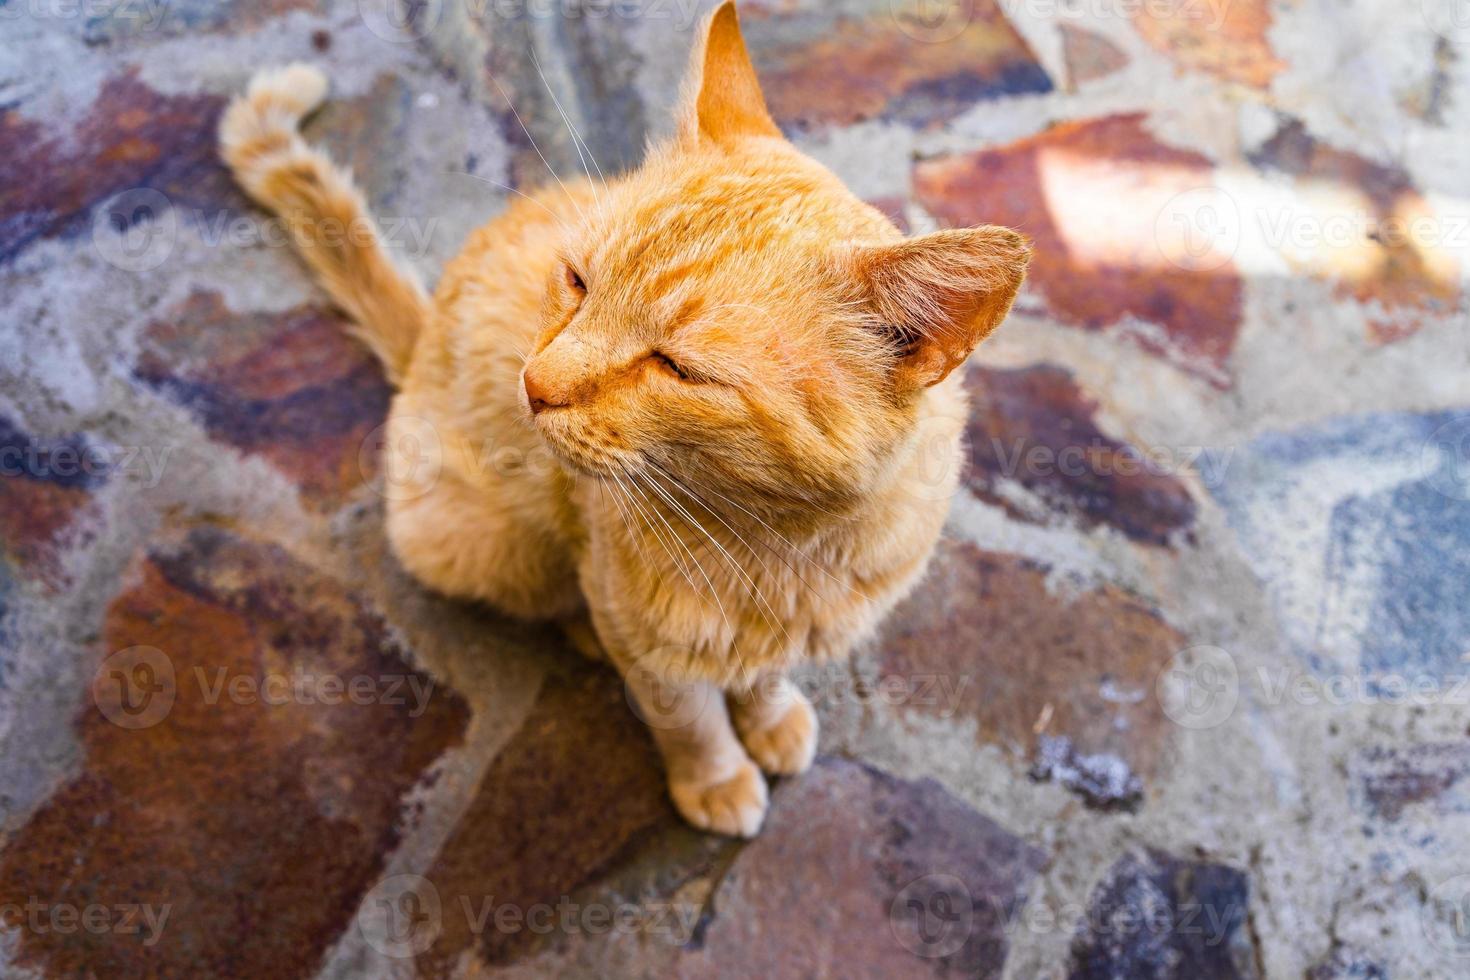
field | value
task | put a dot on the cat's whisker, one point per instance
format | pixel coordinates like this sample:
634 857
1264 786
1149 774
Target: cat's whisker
767 613
764 605
605 493
800 552
682 547
506 187
713 512
674 559
759 538
714 592
534 145
673 553
632 528
643 516
577 139
690 518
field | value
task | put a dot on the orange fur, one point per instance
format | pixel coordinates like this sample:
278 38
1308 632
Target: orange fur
258 139
738 365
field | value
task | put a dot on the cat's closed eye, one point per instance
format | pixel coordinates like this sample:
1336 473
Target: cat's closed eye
669 364
574 280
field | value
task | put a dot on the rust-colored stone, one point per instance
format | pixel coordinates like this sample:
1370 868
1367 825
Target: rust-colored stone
565 799
1034 427
32 516
1025 662
1090 195
1406 271
45 485
860 874
131 137
1089 56
889 66
291 387
259 824
1224 38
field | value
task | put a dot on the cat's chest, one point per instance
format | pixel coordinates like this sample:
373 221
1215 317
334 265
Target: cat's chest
757 600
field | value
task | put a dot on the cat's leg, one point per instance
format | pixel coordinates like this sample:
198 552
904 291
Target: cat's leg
712 781
777 724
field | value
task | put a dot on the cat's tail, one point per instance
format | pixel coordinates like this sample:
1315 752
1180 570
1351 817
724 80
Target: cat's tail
325 214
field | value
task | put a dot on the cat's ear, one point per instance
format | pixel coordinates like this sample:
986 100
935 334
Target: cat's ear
937 296
722 97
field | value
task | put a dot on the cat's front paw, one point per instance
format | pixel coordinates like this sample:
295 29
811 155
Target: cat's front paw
787 747
734 806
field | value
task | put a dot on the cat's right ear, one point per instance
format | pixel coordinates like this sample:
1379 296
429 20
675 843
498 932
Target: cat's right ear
939 295
722 99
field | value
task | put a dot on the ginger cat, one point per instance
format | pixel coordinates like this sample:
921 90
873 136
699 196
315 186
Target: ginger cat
740 368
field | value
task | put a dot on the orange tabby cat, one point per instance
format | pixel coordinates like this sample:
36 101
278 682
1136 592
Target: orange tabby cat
739 366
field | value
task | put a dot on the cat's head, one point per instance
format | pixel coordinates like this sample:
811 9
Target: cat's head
732 314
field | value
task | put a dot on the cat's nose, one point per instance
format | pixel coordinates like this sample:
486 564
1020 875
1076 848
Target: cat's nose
539 394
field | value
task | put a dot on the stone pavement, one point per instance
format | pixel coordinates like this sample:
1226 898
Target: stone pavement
1183 696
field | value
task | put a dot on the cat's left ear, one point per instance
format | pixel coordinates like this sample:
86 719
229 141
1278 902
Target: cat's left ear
722 97
937 296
